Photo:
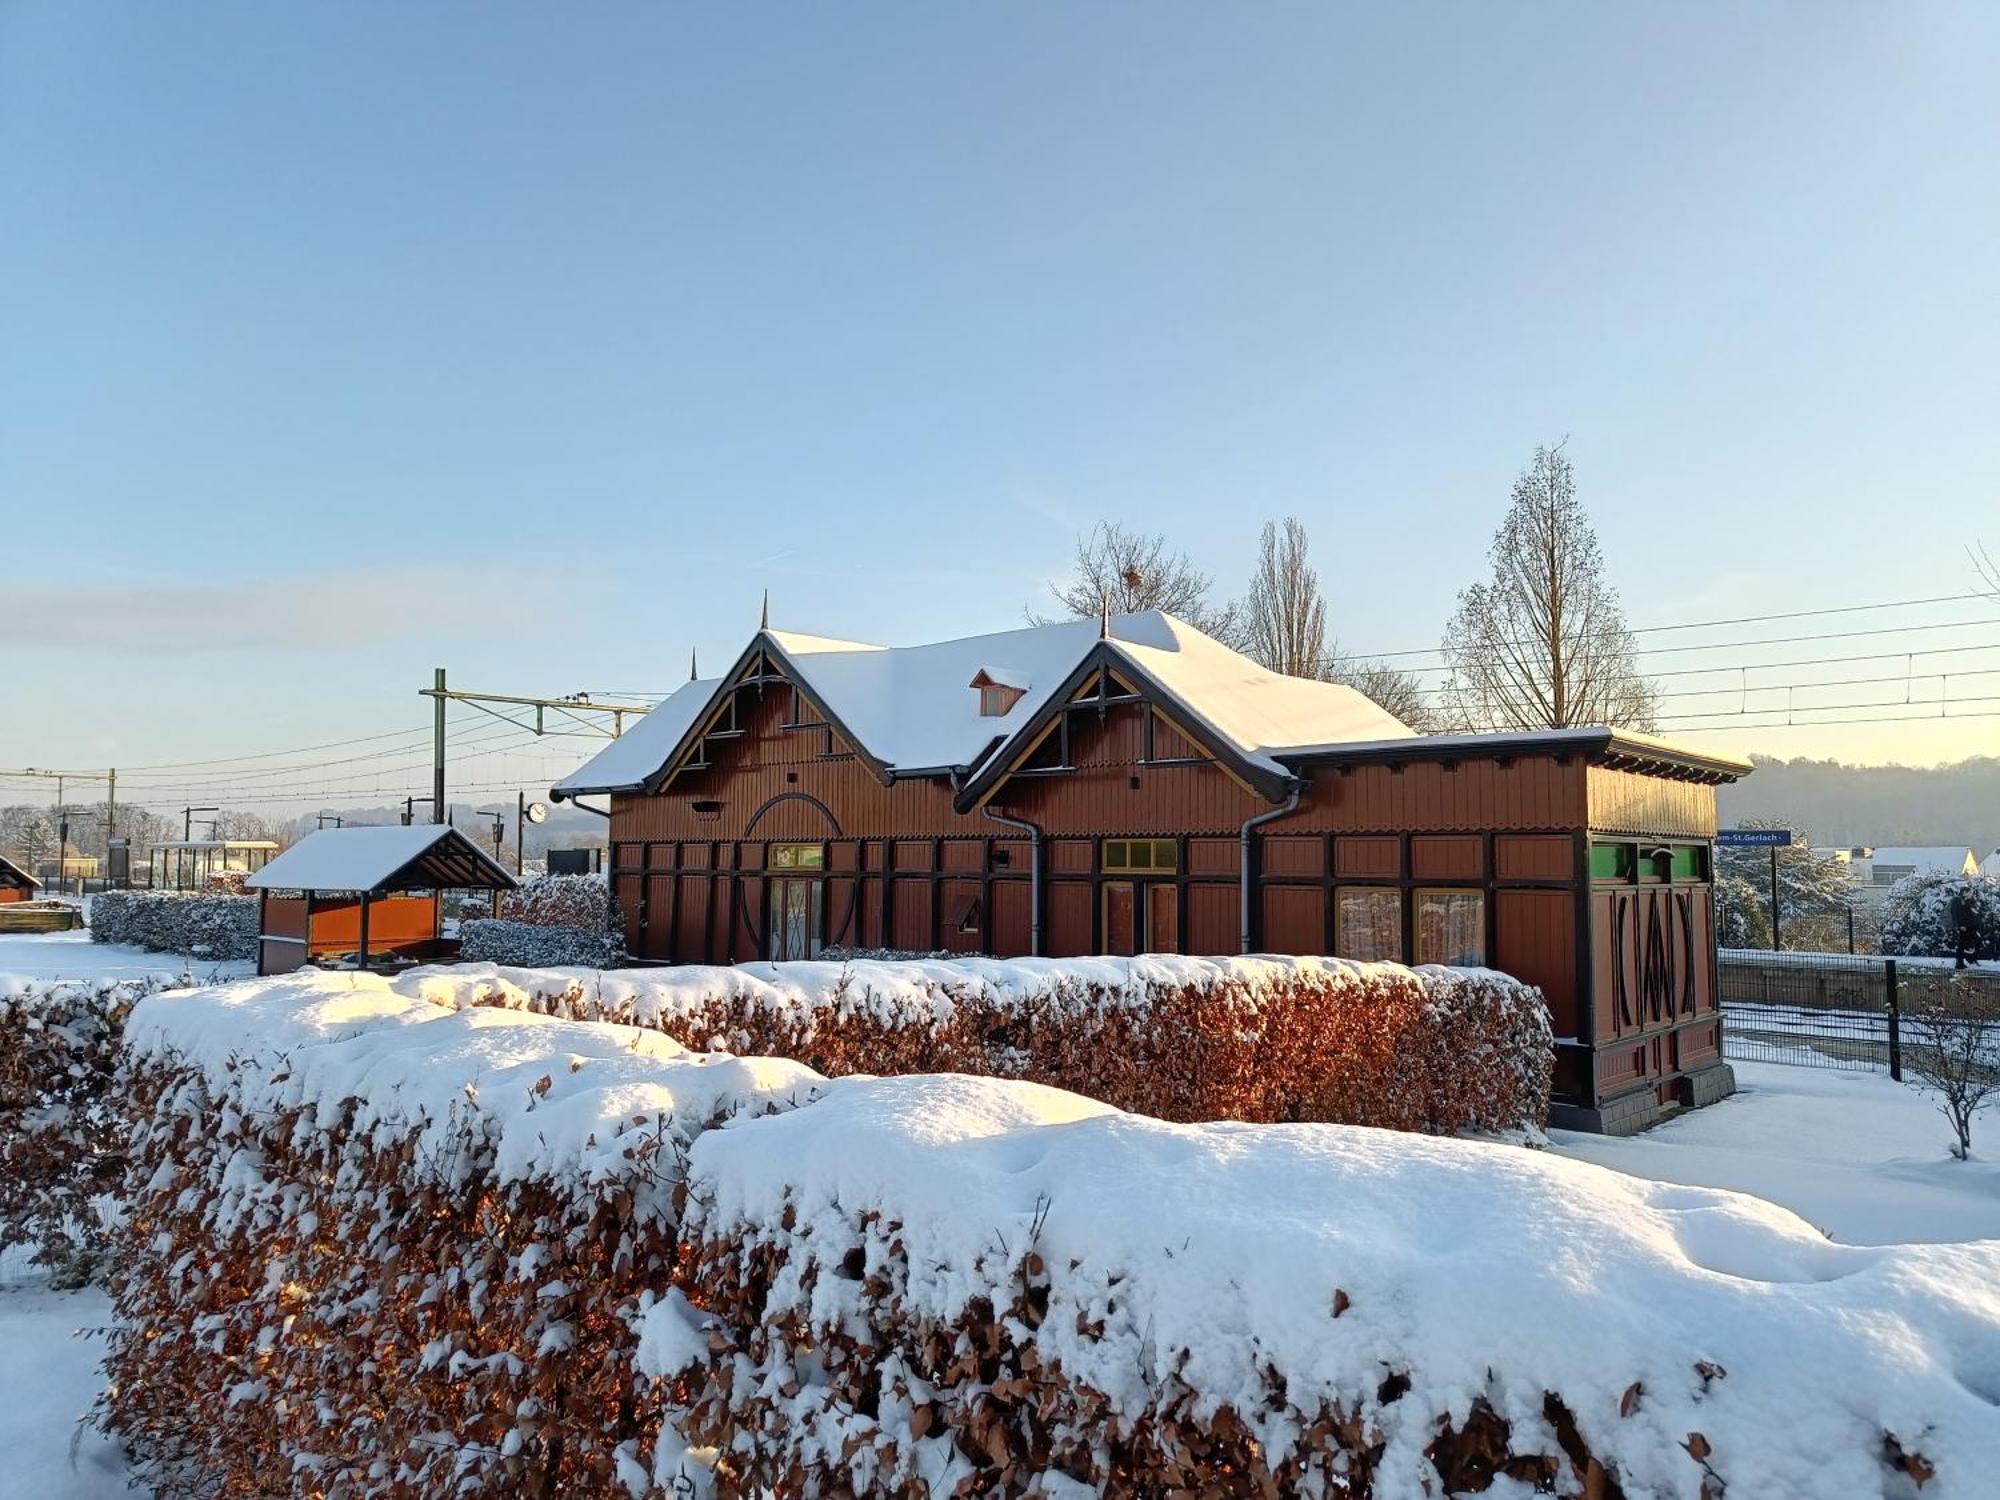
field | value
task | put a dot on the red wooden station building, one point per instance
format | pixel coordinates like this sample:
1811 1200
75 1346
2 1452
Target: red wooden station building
1131 785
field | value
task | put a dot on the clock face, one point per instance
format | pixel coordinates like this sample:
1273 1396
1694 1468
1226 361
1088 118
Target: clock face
538 812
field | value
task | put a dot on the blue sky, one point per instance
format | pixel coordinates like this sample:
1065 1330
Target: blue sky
339 341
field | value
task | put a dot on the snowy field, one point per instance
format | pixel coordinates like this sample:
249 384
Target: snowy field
48 1376
1861 1157
1858 1156
72 955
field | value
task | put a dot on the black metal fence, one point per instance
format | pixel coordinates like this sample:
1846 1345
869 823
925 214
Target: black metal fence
1820 1010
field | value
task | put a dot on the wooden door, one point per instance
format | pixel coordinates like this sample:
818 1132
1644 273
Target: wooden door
1121 918
1163 919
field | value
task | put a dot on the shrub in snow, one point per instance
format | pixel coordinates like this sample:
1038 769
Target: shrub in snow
1951 1047
533 945
374 1247
579 901
62 1142
1742 915
1258 1038
197 924
952 1286
1943 916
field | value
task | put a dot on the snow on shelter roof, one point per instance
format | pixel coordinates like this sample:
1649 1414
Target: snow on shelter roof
368 859
912 708
11 873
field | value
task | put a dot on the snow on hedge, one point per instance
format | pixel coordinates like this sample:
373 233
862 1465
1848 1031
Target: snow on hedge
383 1247
198 924
1255 1038
499 940
61 1139
954 1286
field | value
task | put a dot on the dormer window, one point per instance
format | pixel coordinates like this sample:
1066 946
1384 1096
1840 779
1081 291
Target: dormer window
998 691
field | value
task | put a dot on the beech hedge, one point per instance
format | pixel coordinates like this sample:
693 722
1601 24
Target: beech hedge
197 924
373 1247
1262 1038
533 944
62 1136
378 1247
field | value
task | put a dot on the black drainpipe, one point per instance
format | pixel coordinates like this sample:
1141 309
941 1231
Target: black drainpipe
1243 861
1034 875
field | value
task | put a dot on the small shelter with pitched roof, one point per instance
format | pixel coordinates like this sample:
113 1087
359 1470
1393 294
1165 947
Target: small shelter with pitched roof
365 897
16 884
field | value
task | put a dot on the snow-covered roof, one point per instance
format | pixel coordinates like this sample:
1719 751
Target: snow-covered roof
367 858
215 844
11 873
1929 859
1591 737
1991 865
911 708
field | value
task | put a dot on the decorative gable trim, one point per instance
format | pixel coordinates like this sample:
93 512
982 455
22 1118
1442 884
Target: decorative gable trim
763 663
1105 679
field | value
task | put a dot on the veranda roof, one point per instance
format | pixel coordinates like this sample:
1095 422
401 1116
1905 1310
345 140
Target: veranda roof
422 856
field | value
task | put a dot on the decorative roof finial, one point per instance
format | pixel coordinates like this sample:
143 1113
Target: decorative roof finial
694 672
1104 615
764 621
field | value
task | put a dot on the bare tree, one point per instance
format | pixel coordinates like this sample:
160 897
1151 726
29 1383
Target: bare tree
1284 619
1390 688
1951 1043
1284 614
1544 644
25 830
1133 571
1986 568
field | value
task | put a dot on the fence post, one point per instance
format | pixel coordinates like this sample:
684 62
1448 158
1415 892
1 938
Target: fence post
1895 1020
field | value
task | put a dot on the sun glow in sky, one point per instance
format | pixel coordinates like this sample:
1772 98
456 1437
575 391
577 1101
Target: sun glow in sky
337 343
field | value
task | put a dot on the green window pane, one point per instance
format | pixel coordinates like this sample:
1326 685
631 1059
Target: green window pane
1610 861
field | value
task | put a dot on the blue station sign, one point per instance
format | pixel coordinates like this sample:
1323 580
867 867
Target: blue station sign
1754 838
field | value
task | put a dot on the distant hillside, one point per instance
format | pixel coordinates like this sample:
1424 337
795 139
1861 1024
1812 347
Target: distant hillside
1841 804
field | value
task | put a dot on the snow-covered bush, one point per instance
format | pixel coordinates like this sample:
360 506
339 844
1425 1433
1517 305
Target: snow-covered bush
1253 1038
375 1247
198 924
1742 914
534 945
579 901
62 1141
1938 916
954 1286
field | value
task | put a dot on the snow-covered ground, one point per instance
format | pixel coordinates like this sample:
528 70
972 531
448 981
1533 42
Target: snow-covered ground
48 1377
72 955
1860 1156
